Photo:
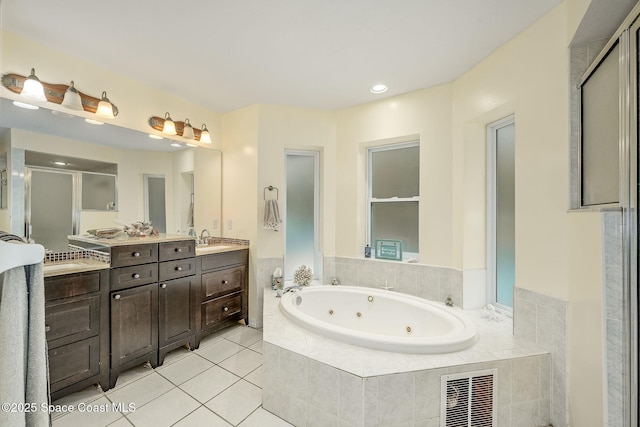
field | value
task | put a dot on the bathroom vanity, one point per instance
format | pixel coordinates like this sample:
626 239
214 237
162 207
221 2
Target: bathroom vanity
155 295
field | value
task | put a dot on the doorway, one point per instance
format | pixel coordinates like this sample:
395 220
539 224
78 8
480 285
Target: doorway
154 202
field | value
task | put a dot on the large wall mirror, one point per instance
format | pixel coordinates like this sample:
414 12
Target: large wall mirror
102 190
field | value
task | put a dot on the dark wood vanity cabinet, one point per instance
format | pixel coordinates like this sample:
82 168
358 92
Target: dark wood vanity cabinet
77 331
152 302
223 296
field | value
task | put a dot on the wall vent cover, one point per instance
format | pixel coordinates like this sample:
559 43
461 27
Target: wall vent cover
468 399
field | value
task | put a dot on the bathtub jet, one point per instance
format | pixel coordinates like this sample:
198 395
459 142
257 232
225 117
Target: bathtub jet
379 319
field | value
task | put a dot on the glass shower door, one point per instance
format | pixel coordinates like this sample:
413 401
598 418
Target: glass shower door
50 212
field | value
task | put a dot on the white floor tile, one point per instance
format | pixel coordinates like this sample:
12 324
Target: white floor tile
95 414
232 330
245 336
184 369
142 391
243 362
122 422
175 355
89 394
257 346
165 410
133 374
219 351
209 383
237 402
255 377
262 418
202 417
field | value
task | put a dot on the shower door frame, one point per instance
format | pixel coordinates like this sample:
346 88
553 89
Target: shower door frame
76 191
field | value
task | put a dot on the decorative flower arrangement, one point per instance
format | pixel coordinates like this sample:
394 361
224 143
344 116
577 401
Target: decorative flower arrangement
303 276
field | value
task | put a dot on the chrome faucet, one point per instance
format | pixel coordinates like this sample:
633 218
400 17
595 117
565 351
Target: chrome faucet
386 286
334 282
292 288
202 240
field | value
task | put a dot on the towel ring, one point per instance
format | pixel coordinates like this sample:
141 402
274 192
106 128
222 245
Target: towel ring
270 188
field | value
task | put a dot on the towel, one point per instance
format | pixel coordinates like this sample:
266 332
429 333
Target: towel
271 215
23 353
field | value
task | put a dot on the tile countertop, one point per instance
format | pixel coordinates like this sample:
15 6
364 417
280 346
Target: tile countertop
59 268
126 240
218 248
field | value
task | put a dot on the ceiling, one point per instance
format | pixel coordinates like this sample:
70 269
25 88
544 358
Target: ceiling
227 54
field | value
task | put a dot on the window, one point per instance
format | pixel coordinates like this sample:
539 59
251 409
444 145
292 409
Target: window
393 193
501 215
599 130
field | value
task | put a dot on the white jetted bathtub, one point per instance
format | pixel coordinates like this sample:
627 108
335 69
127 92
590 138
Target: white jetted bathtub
379 319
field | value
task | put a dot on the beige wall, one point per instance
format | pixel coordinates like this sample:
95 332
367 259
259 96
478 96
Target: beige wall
513 81
287 128
240 187
423 115
135 100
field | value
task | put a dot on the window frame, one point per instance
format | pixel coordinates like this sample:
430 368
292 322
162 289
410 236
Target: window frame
370 200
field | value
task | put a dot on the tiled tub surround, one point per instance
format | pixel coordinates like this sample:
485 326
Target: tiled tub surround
425 281
543 320
312 381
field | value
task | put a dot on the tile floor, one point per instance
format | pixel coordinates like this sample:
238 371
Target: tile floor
217 385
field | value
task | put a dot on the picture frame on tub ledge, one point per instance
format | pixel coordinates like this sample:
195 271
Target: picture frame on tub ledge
388 249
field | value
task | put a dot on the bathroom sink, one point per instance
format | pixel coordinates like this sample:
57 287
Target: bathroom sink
63 266
211 248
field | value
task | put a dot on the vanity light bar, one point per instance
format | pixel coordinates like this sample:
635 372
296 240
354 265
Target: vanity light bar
53 92
157 123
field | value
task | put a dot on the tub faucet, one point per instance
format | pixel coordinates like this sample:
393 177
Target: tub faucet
334 282
292 288
386 286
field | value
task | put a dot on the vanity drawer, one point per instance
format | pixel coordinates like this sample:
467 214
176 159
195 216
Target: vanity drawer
221 282
220 309
71 285
74 362
223 259
128 277
175 269
72 320
177 250
122 256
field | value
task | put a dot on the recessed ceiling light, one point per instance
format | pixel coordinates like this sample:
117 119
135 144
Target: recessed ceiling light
60 163
378 88
61 114
93 122
152 136
25 105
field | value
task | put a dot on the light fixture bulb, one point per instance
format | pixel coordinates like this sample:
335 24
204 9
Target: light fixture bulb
105 108
378 88
72 99
169 126
187 130
205 137
32 88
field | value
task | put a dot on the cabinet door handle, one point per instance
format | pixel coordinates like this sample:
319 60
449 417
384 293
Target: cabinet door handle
136 276
178 249
224 282
225 309
163 286
47 328
178 268
136 254
116 296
